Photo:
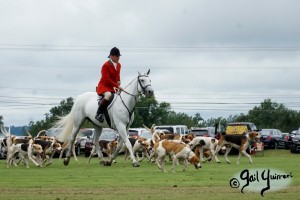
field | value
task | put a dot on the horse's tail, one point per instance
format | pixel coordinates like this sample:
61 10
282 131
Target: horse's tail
66 123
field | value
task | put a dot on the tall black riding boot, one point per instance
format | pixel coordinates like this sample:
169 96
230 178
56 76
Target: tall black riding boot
103 104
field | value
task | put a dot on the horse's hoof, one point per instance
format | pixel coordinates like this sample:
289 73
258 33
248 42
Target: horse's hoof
135 164
102 162
107 163
66 162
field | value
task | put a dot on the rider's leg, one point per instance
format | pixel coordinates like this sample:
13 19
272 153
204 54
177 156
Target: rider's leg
103 104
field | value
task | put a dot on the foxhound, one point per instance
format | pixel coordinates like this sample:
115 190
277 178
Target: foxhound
178 151
240 142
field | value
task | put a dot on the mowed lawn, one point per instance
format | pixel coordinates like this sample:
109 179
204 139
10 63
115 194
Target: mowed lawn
121 181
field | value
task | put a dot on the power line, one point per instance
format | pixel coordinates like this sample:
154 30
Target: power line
32 97
174 104
182 67
200 93
21 88
93 48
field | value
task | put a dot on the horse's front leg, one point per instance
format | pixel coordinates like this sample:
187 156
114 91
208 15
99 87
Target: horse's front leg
99 153
129 147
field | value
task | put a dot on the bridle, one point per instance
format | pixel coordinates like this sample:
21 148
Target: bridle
143 91
141 85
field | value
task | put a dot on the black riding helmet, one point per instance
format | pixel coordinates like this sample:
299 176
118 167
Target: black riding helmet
114 52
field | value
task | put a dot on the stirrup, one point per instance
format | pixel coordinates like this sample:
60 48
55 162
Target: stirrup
100 117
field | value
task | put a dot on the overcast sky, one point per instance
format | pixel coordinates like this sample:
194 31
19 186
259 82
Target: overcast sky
201 53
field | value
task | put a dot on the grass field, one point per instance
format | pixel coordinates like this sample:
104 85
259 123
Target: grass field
122 181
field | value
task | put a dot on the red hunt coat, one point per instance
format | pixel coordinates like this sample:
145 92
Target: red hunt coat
109 79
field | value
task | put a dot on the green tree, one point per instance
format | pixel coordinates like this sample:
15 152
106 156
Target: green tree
161 114
272 115
144 111
181 118
198 120
148 111
62 109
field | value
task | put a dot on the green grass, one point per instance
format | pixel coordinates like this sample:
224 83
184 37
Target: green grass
122 181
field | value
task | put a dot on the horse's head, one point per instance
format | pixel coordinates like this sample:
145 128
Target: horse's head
144 84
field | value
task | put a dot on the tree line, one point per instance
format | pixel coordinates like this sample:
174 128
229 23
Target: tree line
148 111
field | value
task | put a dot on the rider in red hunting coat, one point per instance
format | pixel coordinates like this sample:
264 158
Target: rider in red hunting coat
110 80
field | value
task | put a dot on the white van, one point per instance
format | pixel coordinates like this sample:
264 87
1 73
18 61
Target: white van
141 132
203 131
176 129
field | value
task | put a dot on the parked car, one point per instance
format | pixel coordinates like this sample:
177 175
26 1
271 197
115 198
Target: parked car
203 131
133 133
107 134
240 127
289 138
295 144
237 128
83 135
137 132
146 134
272 138
176 129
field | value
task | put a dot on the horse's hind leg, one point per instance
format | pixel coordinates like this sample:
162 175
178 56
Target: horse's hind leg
74 152
70 145
98 131
92 153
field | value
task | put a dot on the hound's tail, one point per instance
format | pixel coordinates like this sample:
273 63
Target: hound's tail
4 131
156 136
151 130
9 137
66 123
41 133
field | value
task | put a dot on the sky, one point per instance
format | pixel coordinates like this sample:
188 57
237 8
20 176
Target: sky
215 57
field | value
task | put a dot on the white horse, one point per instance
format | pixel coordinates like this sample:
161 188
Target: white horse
120 113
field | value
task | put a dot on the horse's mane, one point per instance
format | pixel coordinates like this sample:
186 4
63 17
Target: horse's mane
129 83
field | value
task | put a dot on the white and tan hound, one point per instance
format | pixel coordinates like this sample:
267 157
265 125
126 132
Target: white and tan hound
178 151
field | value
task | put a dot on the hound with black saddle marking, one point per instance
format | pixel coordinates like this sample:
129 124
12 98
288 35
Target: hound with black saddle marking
24 151
49 149
240 142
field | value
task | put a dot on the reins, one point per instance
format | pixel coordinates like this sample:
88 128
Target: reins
143 88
